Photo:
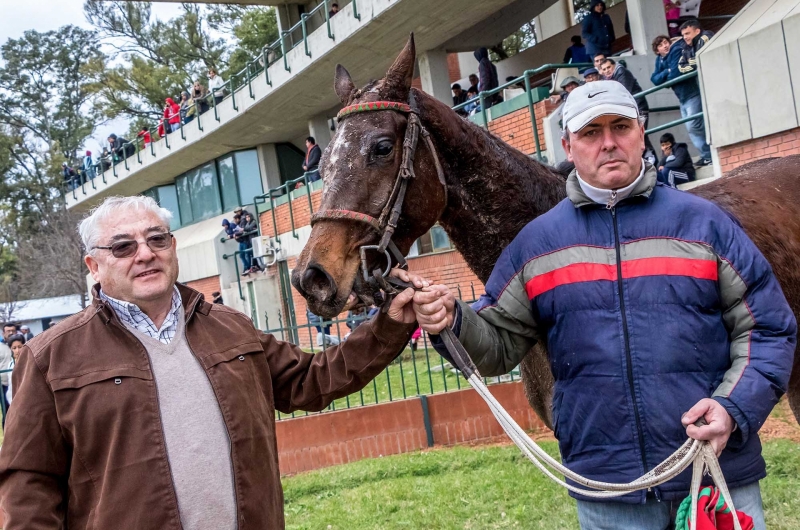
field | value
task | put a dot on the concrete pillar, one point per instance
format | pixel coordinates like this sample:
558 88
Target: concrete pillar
554 20
647 21
435 76
268 165
319 128
288 15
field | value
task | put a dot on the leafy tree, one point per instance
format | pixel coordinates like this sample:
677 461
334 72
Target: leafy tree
251 28
517 42
48 107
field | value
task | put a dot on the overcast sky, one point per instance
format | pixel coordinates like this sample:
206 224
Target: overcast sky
17 16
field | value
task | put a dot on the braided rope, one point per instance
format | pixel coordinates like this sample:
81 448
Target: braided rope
373 106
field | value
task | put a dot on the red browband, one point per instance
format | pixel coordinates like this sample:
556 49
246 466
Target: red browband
372 106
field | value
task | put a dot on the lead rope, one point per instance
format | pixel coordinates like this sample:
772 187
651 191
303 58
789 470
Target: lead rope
698 453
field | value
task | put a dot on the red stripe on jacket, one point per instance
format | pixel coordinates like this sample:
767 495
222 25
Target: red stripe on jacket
702 269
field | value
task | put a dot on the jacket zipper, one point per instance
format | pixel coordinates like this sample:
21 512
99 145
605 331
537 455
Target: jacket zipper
626 336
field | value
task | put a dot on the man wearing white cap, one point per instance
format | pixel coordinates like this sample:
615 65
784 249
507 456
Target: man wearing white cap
656 309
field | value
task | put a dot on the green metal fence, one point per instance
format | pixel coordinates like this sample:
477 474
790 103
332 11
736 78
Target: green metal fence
418 371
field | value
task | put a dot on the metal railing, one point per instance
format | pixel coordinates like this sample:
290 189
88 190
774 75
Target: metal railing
259 65
418 371
526 79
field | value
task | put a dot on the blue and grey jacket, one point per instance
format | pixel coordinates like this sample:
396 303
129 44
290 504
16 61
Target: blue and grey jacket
646 308
667 69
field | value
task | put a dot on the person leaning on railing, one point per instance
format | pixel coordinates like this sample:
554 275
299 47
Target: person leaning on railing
200 97
216 86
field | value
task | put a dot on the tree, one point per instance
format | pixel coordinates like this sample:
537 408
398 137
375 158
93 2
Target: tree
251 28
519 41
48 107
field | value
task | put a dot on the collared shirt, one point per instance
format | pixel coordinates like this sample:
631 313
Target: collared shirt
130 314
609 197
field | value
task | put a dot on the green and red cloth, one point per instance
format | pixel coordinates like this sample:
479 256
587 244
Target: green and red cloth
713 513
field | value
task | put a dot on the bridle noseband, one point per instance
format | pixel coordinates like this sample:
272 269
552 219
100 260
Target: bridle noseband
386 224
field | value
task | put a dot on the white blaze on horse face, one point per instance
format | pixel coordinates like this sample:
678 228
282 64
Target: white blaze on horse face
338 151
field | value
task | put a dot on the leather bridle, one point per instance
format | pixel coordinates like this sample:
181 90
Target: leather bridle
386 224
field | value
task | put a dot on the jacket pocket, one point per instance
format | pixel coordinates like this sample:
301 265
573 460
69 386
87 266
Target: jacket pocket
244 350
116 374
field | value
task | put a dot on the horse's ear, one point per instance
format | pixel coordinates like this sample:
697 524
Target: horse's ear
343 84
397 83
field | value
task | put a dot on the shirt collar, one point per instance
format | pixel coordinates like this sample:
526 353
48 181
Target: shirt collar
582 194
126 310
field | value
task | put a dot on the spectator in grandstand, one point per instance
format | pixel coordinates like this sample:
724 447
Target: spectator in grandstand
613 71
568 85
216 86
71 178
217 298
459 97
105 160
676 164
598 30
172 115
88 166
475 106
159 410
15 344
25 331
243 241
487 75
188 109
250 231
591 74
694 38
598 60
519 84
8 330
144 134
334 10
577 52
473 83
120 148
311 162
229 227
200 97
672 11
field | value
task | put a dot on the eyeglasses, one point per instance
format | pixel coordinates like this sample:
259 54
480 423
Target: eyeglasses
128 248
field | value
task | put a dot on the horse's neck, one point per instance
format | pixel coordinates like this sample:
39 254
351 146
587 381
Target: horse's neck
493 189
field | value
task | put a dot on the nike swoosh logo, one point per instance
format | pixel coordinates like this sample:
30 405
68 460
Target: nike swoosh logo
593 95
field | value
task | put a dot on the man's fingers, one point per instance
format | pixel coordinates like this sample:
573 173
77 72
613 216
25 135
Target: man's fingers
695 413
426 296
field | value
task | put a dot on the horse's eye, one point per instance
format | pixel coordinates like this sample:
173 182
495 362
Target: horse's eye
384 148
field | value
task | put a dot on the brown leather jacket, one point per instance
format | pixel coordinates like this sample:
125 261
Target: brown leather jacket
82 452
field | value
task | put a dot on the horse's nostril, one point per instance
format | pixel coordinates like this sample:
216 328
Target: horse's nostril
318 283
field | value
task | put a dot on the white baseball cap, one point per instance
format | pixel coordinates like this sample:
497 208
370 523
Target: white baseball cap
598 98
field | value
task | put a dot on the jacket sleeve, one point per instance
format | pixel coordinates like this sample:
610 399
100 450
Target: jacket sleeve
681 160
762 330
306 381
314 156
34 458
499 329
661 73
568 55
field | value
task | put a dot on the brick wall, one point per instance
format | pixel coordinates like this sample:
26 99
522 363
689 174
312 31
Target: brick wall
206 286
332 438
453 68
775 145
448 268
515 128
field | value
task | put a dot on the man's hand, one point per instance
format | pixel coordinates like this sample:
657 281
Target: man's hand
409 277
435 308
401 310
719 428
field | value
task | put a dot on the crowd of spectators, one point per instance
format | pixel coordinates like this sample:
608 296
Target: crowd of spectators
178 111
11 342
243 229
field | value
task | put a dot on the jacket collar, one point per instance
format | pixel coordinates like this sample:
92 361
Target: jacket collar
643 189
192 300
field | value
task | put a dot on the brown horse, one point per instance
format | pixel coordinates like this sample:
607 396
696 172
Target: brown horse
492 192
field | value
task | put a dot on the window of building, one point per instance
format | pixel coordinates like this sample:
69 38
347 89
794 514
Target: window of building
248 176
211 189
434 240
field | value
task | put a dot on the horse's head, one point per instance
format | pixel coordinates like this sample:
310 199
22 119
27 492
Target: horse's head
359 169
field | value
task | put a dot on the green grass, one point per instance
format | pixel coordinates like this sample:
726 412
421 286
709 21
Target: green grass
477 488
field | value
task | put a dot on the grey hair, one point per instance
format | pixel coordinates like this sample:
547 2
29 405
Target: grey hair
565 132
89 227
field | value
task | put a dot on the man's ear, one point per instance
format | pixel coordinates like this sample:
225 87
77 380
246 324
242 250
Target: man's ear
93 266
567 148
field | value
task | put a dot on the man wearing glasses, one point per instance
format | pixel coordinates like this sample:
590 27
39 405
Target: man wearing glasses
153 408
